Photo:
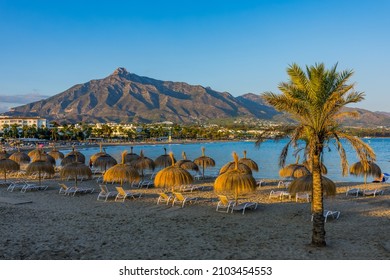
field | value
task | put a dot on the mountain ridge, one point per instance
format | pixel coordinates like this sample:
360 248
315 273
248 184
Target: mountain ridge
127 97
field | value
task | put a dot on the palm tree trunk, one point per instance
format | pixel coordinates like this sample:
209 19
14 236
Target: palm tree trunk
317 204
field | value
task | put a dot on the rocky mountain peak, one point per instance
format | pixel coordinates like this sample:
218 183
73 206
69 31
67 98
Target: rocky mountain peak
121 71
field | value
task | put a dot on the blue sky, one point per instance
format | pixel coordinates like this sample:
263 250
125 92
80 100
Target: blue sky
234 46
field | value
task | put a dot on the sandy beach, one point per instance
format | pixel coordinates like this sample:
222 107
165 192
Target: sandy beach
53 226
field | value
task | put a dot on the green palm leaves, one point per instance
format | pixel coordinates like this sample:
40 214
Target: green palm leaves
315 99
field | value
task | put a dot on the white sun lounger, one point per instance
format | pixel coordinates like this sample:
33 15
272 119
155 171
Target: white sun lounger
224 204
105 194
372 192
243 206
179 198
33 187
353 191
329 213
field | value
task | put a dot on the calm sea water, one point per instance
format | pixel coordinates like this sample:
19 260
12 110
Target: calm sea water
266 156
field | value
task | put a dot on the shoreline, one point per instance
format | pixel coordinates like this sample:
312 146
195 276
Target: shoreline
81 146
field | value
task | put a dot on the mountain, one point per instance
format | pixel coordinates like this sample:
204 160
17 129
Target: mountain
127 97
367 118
257 106
123 96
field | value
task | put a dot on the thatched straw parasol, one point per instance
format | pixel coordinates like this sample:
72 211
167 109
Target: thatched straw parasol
143 163
43 156
164 160
95 156
234 181
131 156
7 165
204 161
294 170
56 154
4 154
74 153
40 166
249 162
121 172
186 163
35 152
232 165
371 169
104 161
172 176
76 169
69 159
305 184
324 170
20 157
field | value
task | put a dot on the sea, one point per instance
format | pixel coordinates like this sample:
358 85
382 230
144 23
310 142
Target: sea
266 155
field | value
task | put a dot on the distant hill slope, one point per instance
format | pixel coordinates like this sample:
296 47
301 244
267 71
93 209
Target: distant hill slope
127 97
256 105
124 96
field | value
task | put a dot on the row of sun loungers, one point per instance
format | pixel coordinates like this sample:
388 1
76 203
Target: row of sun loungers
138 185
119 195
357 191
282 195
24 186
225 205
33 176
65 190
191 188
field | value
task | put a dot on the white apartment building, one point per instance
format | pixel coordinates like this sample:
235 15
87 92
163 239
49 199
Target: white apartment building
22 121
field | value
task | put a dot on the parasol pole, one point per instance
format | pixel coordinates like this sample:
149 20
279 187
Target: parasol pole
235 157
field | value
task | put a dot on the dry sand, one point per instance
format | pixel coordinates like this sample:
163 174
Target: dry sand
55 226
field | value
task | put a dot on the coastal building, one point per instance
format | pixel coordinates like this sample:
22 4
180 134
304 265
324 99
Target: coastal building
22 121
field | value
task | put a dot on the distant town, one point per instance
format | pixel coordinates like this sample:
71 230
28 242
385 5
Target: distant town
30 130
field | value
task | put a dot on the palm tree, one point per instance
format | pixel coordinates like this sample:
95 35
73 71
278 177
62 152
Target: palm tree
315 99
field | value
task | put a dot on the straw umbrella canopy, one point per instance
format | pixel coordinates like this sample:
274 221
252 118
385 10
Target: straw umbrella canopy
204 161
40 166
131 156
74 153
324 170
186 163
56 154
232 165
249 162
34 152
305 184
4 154
7 165
294 170
43 156
372 169
172 176
75 169
143 163
104 161
69 159
20 157
121 172
164 160
235 182
100 153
